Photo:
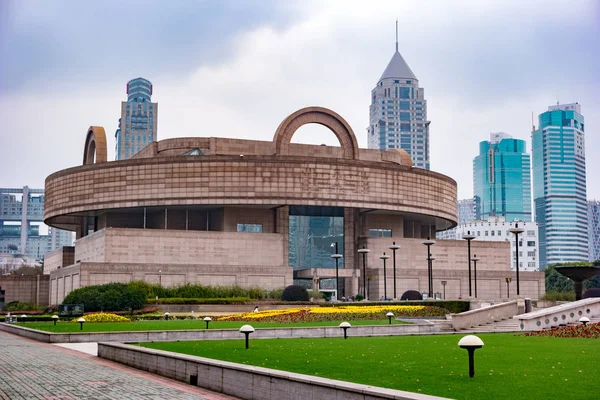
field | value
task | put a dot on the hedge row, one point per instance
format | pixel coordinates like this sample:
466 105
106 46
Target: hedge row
195 291
180 300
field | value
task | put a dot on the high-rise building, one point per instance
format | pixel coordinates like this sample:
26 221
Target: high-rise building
502 179
466 214
398 112
594 229
138 122
20 210
559 188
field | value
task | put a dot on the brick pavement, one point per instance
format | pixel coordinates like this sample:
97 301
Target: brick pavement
33 370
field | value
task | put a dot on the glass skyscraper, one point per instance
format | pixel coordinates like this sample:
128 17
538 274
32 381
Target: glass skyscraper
559 188
138 122
502 179
398 113
594 229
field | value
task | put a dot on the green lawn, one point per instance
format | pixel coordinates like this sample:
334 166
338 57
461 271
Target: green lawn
507 367
162 325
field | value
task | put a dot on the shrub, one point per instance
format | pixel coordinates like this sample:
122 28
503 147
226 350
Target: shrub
591 292
21 306
195 291
180 300
294 293
559 296
411 295
102 317
359 297
109 297
274 294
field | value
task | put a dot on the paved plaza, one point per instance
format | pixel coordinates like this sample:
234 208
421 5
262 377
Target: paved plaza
33 370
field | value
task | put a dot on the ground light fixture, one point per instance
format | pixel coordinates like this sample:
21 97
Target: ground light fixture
470 343
167 315
207 320
55 318
390 315
24 318
345 325
247 330
81 322
584 320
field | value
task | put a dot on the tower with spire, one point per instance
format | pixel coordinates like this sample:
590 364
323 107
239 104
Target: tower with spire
398 112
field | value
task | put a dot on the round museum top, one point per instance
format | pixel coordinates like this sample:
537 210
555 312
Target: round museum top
224 171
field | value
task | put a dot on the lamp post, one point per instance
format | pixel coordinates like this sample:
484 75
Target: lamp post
160 277
475 259
516 230
444 283
345 325
468 237
394 247
508 281
55 318
81 322
336 256
390 315
364 252
207 320
247 330
384 257
470 343
429 243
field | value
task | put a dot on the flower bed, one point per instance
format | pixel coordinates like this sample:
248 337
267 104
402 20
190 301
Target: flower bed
313 314
103 317
591 331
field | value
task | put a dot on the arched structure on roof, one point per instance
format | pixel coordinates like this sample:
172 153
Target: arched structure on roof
94 151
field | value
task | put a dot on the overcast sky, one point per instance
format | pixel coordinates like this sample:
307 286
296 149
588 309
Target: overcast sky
237 68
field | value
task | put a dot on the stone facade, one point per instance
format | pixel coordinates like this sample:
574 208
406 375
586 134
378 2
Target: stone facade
26 288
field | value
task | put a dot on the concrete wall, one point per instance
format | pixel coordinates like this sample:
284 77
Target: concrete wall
59 258
28 288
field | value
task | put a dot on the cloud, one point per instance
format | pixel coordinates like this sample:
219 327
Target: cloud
484 66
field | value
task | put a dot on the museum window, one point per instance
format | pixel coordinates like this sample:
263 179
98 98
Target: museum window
380 233
256 228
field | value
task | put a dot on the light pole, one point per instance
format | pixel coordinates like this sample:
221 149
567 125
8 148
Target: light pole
429 243
384 257
516 230
475 259
468 237
364 252
394 247
336 257
444 283
160 277
508 281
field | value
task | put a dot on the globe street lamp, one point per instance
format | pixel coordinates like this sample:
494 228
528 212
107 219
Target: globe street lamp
470 343
429 243
394 247
475 259
508 281
516 230
444 283
364 252
336 257
468 237
384 257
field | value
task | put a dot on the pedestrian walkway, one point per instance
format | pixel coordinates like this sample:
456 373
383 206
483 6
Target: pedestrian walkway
33 370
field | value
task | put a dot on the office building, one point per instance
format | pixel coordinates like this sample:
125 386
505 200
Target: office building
502 179
594 229
466 214
559 186
398 112
21 217
139 119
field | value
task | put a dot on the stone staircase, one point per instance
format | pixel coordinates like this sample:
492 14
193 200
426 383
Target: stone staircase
507 325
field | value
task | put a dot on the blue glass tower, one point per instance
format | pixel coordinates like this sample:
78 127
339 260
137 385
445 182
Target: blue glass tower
502 179
559 188
138 122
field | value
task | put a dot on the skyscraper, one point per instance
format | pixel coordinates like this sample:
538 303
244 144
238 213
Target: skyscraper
138 122
594 229
398 112
559 188
502 179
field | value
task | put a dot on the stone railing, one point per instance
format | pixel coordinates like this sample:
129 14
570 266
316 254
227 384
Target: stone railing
244 381
562 314
484 315
219 334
